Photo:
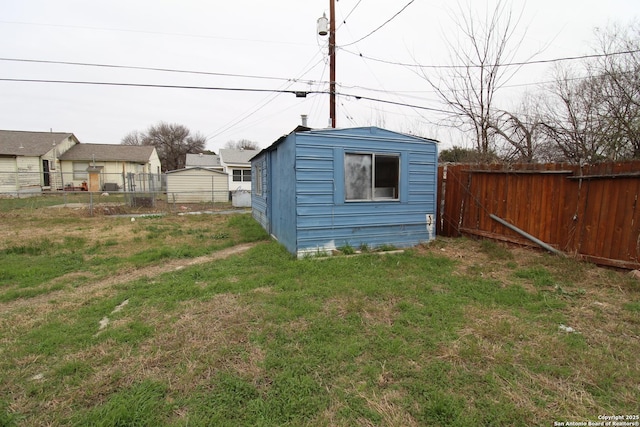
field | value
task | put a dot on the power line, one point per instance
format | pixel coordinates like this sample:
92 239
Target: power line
273 94
125 30
384 101
230 89
272 91
168 70
396 95
234 122
298 80
407 93
344 21
383 24
316 104
148 85
244 124
509 64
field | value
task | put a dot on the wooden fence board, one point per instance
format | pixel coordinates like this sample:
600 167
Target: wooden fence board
630 220
624 244
590 211
566 198
499 193
593 214
534 213
440 184
609 214
624 213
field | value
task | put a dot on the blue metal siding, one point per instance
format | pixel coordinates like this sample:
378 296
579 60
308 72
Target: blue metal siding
326 221
314 191
282 187
259 202
303 203
423 172
314 176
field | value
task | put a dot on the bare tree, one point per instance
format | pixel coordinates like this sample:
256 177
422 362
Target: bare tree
594 114
132 138
572 118
378 118
619 68
520 132
242 144
172 142
469 86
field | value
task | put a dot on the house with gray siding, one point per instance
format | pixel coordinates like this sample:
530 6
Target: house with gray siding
317 190
237 165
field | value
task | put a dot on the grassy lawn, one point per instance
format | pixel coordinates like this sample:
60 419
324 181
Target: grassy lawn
202 320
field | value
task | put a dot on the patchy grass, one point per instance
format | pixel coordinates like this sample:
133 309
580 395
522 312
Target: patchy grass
347 249
199 320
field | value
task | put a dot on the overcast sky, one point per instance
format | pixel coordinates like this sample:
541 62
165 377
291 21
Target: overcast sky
254 44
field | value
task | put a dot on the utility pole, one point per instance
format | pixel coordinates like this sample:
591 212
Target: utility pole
322 30
332 63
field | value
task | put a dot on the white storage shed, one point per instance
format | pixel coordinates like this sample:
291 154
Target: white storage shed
197 185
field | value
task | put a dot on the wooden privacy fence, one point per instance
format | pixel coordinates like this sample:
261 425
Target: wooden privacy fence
590 211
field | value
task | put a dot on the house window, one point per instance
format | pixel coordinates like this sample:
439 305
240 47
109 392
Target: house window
80 170
258 185
242 175
371 176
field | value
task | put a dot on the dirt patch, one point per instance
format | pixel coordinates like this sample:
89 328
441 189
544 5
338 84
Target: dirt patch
42 304
69 230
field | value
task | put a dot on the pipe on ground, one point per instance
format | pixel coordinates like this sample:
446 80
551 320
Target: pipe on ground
528 236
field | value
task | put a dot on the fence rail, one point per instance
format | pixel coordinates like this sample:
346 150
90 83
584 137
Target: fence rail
26 181
590 211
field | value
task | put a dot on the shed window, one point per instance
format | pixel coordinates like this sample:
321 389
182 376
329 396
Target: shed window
371 176
242 175
258 185
80 170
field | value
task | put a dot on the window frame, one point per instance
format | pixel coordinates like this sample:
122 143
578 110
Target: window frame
373 165
80 174
258 183
241 175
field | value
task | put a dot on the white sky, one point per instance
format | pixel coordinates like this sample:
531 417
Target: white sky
275 39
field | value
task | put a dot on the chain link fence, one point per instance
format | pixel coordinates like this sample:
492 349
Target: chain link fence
127 193
24 181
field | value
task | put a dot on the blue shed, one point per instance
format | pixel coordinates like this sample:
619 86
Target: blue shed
318 190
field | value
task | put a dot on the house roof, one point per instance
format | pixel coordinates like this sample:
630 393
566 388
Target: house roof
237 157
277 142
204 160
22 143
109 152
191 169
